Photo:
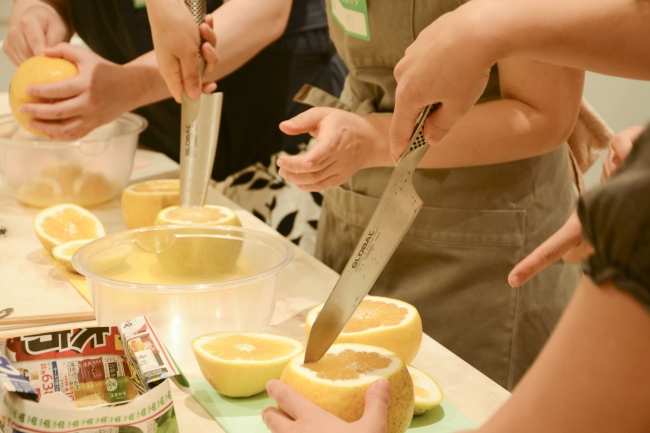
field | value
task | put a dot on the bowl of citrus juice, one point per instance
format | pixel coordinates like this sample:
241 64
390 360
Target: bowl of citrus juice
187 280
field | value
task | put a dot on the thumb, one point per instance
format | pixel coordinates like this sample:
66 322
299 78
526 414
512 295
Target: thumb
438 124
405 115
307 121
376 404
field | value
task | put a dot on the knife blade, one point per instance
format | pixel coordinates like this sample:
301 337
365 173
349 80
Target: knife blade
397 208
200 120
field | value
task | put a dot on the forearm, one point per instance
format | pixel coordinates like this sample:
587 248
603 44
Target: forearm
244 28
491 133
147 83
606 36
497 132
592 374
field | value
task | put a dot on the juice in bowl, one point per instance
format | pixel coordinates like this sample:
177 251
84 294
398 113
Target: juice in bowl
125 276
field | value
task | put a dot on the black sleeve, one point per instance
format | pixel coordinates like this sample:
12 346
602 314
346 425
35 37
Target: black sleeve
615 219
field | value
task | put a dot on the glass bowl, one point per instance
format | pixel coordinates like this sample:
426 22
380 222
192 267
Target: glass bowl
87 172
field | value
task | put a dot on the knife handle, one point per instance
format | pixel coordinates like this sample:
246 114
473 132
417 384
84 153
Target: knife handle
198 10
417 137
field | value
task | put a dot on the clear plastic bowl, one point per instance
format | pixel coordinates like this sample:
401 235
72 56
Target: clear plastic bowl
188 281
87 172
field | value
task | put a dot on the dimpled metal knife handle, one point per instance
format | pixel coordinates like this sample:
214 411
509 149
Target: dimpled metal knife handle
198 10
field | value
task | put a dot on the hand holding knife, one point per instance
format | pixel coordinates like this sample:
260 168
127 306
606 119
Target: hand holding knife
397 208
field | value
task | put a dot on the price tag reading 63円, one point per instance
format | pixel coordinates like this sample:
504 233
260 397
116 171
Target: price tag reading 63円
352 16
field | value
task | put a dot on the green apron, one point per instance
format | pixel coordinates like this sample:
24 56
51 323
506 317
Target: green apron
476 223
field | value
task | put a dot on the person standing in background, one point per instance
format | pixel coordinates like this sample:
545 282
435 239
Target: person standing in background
487 195
267 51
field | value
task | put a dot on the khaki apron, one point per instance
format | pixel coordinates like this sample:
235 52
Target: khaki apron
476 223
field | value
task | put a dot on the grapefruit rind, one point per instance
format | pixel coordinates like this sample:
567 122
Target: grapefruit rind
428 394
346 398
247 377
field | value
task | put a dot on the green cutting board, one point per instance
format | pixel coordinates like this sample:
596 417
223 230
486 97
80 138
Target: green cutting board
237 415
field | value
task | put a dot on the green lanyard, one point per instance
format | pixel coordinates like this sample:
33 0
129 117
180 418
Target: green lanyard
139 4
352 16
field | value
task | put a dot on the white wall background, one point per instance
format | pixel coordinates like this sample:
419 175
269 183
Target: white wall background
620 102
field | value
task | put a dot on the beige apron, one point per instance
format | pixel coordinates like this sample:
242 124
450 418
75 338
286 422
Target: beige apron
476 223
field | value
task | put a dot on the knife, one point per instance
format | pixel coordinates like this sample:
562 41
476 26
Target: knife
397 208
200 119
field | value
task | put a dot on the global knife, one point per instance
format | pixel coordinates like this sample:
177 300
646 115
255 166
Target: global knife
200 120
397 208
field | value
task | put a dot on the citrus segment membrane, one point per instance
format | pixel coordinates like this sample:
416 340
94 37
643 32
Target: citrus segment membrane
208 214
375 314
196 215
248 348
383 322
348 365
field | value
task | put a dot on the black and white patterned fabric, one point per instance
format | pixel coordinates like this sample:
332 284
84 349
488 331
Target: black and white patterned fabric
260 190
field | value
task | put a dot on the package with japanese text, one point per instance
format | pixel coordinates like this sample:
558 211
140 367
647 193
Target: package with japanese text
85 380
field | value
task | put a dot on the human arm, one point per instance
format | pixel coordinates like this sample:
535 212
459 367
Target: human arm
242 27
567 243
536 114
35 25
300 415
448 61
592 374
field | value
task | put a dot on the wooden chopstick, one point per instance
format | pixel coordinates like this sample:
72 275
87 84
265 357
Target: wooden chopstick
46 319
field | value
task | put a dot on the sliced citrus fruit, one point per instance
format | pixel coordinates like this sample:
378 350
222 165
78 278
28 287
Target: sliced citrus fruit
66 222
200 254
36 70
383 322
91 189
39 192
64 174
141 202
339 380
238 364
63 253
428 393
189 215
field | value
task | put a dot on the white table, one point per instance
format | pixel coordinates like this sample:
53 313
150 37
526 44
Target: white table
305 282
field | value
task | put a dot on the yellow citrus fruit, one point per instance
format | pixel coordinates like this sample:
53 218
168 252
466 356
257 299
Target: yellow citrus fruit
339 380
63 253
91 189
383 322
39 192
199 253
36 70
142 202
66 222
428 393
238 364
205 215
